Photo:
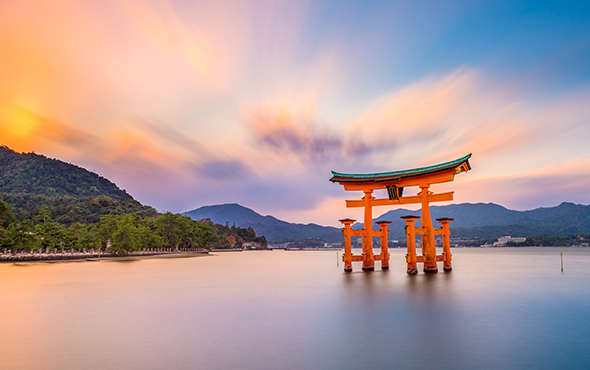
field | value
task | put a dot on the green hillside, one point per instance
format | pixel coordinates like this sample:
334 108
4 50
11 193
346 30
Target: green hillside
67 210
32 184
46 203
30 173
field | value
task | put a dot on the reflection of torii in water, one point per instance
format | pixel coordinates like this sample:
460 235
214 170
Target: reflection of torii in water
395 182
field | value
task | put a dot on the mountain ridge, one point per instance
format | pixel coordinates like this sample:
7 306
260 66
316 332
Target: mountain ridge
490 220
272 228
483 220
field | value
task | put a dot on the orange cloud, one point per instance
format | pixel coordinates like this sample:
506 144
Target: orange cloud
165 29
25 130
419 111
131 148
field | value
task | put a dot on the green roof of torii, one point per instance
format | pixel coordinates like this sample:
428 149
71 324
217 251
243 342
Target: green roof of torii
384 176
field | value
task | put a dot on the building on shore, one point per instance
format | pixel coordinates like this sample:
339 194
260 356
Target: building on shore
505 239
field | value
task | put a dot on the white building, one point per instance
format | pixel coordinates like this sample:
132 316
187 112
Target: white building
505 239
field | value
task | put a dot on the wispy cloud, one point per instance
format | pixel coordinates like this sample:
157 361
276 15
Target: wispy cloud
288 128
161 24
420 111
231 170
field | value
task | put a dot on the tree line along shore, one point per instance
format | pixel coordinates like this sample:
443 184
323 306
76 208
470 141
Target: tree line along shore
41 237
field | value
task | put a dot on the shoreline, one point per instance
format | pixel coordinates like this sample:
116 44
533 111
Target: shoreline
95 257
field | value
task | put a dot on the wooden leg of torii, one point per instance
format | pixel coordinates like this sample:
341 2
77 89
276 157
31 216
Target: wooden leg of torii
368 260
411 259
347 232
384 250
446 238
428 246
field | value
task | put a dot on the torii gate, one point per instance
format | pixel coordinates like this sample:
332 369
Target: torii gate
395 182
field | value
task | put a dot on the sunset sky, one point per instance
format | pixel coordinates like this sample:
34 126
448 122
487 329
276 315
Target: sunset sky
192 103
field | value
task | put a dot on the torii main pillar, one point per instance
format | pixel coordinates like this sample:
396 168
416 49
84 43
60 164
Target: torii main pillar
395 182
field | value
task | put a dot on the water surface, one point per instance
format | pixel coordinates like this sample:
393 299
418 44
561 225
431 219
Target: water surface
504 308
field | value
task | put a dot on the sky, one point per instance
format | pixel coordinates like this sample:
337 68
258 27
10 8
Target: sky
193 103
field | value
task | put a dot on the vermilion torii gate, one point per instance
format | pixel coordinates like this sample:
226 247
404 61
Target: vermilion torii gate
395 182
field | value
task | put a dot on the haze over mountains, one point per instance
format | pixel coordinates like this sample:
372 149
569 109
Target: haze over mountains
483 220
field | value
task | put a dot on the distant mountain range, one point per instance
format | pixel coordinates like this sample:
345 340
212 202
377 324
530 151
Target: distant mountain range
272 228
489 220
483 220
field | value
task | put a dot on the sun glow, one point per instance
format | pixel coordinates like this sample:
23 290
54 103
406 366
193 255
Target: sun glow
19 122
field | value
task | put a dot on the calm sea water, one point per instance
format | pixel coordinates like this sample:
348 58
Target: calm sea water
508 308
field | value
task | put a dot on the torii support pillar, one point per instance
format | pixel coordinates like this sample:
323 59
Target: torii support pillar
348 233
368 258
446 239
384 250
428 245
411 258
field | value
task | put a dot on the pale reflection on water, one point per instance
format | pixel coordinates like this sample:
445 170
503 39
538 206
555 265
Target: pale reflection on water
499 309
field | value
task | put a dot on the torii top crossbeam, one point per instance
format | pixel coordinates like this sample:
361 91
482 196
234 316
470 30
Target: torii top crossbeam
404 178
395 182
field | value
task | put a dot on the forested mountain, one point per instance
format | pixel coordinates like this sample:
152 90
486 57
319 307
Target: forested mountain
31 183
47 203
67 210
32 173
273 229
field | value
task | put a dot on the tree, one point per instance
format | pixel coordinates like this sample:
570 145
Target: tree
105 229
6 223
202 235
169 228
21 236
49 233
148 238
77 236
6 217
126 237
181 231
